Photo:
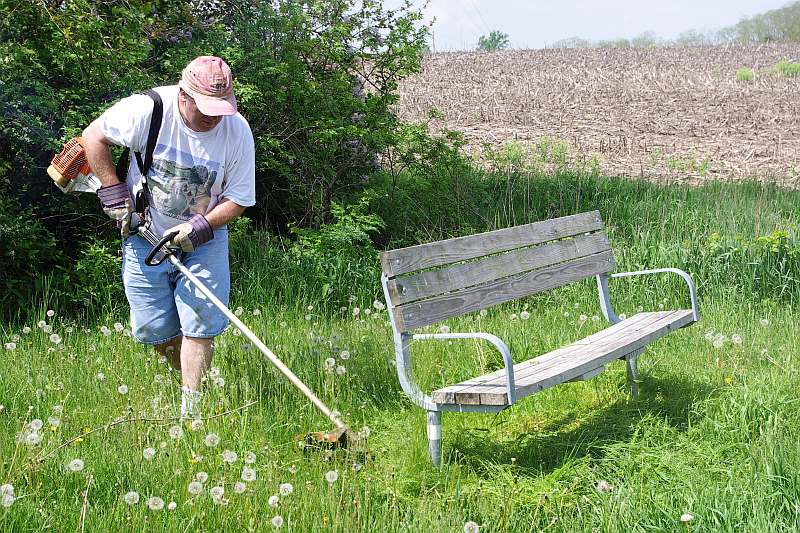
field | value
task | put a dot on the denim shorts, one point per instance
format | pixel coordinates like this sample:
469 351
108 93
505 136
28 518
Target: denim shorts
164 304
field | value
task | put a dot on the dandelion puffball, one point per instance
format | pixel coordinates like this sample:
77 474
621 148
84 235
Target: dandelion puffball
249 458
175 432
277 521
686 517
273 501
155 503
122 389
239 487
195 488
212 439
217 492
172 506
202 477
149 453
76 465
285 489
471 527
131 498
248 474
229 456
331 476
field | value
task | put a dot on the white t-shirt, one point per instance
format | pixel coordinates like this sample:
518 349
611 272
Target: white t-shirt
191 170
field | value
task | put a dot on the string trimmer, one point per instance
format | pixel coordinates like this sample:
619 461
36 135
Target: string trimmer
71 173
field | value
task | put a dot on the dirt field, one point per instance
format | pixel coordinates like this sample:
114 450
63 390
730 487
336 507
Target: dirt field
675 114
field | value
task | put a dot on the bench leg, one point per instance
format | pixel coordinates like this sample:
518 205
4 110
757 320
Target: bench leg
633 375
435 437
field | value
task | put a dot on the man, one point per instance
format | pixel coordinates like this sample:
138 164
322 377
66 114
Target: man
202 177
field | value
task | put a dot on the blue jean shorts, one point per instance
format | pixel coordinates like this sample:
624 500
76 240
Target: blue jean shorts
164 303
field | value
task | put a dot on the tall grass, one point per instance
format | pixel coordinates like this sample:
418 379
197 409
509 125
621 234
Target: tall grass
713 433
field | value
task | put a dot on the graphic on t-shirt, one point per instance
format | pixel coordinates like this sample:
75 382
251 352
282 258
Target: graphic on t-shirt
180 185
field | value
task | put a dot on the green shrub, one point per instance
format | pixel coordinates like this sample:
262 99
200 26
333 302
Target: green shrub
28 257
744 74
787 68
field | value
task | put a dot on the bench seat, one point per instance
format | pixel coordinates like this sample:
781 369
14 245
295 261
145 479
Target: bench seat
581 359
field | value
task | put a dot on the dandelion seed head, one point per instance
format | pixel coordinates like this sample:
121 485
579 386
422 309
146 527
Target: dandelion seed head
10 346
155 503
357 467
763 322
229 456
444 329
378 305
196 424
483 313
718 343
217 492
195 488
273 501
239 487
212 439
76 465
344 355
122 389
6 488
736 339
331 476
583 318
149 453
100 376
524 315
356 311
131 498
256 312
172 506
238 311
285 489
33 438
248 474
687 517
471 527
340 370
249 458
26 330
201 476
54 421
623 316
35 424
277 521
7 500
603 486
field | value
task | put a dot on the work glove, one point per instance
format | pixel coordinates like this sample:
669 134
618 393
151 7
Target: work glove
116 202
191 233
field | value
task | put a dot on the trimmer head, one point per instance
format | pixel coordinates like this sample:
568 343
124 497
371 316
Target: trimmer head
329 440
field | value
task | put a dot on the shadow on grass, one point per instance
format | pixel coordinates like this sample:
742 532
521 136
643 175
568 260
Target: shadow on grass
584 433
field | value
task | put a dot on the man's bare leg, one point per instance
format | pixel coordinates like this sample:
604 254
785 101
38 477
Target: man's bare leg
196 354
172 351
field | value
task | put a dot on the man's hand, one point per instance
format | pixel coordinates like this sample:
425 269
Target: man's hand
116 202
191 234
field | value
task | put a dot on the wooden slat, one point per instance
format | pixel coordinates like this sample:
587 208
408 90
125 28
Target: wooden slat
568 362
498 377
584 357
422 313
434 282
404 260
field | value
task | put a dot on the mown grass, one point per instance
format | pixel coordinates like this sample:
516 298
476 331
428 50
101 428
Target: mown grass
714 432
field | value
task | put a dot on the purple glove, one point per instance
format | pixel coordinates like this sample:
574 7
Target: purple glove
116 202
191 233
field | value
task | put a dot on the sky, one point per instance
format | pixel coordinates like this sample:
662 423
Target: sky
539 23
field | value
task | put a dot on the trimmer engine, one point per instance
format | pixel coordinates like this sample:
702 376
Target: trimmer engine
70 171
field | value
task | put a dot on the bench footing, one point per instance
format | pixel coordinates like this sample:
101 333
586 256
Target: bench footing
435 437
633 373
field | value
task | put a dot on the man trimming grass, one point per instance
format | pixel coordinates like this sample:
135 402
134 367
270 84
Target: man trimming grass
202 176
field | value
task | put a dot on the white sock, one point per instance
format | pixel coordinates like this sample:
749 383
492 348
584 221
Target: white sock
190 403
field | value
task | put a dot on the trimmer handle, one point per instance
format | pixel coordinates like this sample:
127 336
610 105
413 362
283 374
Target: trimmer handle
158 248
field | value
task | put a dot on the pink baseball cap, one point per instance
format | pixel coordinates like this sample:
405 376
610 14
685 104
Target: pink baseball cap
208 80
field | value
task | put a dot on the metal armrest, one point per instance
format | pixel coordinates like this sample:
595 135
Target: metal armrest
496 341
686 277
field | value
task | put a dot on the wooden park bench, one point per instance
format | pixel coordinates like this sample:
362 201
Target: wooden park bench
429 283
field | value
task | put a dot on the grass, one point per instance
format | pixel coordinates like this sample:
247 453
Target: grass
713 433
745 74
787 68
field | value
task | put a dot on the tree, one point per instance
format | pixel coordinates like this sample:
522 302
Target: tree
496 40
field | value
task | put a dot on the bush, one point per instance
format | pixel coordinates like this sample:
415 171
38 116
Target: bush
28 256
787 68
744 74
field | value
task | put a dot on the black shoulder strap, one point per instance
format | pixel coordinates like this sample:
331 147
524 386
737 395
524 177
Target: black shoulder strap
152 135
152 138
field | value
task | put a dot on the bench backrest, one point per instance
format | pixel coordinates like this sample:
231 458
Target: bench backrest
431 282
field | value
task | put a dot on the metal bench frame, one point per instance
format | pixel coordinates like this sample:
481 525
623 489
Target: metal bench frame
402 342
